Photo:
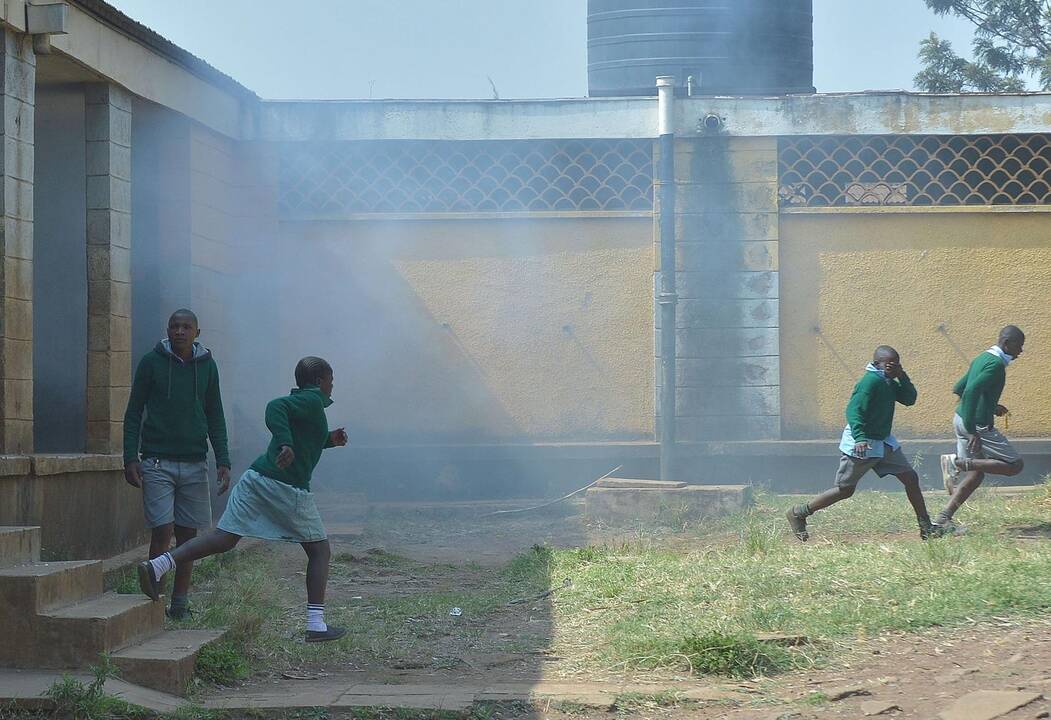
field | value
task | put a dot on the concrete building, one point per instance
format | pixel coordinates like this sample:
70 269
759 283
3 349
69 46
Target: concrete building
481 273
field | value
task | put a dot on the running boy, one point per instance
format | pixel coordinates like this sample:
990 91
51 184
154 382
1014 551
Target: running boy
980 447
177 383
867 442
273 499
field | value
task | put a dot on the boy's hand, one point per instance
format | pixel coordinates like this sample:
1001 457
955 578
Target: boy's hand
339 437
861 449
974 445
1000 411
285 457
892 370
133 474
222 474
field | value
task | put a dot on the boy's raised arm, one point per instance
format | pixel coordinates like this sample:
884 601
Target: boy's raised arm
904 390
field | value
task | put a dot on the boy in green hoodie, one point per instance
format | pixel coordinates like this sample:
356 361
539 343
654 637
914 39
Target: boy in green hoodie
177 384
867 442
980 447
272 501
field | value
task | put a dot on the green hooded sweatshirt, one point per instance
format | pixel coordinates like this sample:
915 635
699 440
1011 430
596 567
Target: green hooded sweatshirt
297 420
183 408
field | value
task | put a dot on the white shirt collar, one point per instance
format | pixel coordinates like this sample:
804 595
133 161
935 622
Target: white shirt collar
999 352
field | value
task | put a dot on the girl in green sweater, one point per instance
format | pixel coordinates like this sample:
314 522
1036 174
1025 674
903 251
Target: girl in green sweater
273 501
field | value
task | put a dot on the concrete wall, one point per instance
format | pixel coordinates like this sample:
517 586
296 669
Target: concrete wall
469 331
936 285
60 302
160 193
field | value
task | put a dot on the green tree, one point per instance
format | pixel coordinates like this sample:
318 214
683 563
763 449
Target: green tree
1012 42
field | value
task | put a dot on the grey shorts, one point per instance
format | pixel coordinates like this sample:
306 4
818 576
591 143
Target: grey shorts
178 492
994 445
851 469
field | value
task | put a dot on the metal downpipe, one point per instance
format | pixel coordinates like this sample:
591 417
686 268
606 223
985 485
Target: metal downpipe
666 296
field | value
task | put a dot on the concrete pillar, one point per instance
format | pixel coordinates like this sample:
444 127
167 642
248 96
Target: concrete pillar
107 125
728 337
18 75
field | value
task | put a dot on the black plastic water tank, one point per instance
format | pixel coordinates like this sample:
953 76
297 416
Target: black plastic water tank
729 47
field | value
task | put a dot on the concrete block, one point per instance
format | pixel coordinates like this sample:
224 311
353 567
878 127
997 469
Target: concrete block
723 401
18 278
120 264
98 367
724 372
713 283
18 399
43 586
18 319
18 158
100 226
120 334
118 401
120 298
726 226
727 342
716 313
75 463
98 438
18 237
166 662
19 545
98 276
726 257
75 635
18 359
17 437
98 155
631 506
18 120
742 197
120 229
100 294
728 427
20 72
98 191
98 404
18 199
120 372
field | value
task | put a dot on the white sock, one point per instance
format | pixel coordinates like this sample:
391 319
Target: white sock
316 618
162 564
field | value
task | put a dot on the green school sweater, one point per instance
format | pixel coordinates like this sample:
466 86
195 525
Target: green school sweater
870 412
980 390
183 407
297 420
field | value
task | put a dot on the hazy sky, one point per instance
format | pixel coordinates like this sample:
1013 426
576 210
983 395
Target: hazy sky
325 49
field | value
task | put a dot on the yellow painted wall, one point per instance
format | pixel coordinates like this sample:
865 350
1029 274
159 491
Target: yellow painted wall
896 278
483 330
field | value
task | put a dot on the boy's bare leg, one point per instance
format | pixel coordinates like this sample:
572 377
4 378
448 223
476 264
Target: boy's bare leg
830 497
974 472
160 540
318 556
215 542
991 467
184 571
911 481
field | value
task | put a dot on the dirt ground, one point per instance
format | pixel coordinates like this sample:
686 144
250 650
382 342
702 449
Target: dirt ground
904 675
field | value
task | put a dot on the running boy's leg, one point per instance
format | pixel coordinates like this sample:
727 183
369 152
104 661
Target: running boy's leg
318 556
996 457
193 512
150 572
850 471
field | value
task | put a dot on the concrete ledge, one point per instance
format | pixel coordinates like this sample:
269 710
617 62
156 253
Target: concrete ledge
672 506
74 463
15 465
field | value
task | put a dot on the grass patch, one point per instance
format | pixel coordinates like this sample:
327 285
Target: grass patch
222 663
864 572
739 656
75 699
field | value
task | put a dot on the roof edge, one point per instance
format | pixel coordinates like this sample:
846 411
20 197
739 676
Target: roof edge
164 47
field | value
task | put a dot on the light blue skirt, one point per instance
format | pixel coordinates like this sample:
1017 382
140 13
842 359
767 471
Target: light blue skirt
268 509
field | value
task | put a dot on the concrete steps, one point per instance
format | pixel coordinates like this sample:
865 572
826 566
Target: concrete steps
56 615
165 662
19 545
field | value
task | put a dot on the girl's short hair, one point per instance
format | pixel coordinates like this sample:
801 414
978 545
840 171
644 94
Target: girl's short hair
310 370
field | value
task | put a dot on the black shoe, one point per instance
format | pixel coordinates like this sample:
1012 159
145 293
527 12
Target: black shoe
333 633
148 582
798 524
179 613
928 531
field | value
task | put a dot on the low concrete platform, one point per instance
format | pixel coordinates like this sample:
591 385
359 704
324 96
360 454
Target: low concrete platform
663 503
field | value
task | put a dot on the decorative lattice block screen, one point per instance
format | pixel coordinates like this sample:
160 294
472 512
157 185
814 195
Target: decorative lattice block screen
915 170
384 177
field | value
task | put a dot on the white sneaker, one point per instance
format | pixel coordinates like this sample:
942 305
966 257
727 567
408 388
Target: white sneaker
950 473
